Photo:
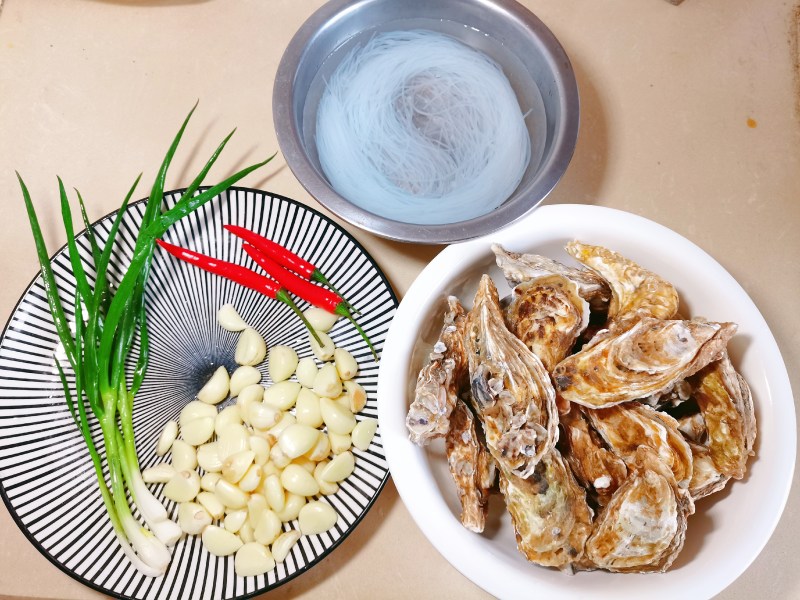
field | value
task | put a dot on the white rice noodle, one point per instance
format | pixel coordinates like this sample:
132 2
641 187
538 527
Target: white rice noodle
417 127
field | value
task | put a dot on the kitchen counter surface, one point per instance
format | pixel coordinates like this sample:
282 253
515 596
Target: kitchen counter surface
690 117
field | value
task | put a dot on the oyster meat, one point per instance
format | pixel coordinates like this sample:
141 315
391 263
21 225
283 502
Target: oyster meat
635 292
626 427
724 400
551 517
518 267
511 391
440 381
548 315
646 359
471 466
595 467
643 527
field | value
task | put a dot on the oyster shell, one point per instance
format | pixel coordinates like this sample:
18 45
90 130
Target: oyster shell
706 478
626 427
727 408
518 267
635 292
471 466
551 517
548 315
596 468
511 390
440 381
642 528
646 359
693 428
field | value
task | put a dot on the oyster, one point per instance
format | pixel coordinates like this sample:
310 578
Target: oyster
706 478
548 315
642 528
471 466
727 408
626 427
644 360
635 292
440 381
595 467
511 390
693 428
518 267
551 517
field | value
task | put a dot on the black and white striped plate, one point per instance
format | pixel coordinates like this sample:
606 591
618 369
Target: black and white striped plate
46 477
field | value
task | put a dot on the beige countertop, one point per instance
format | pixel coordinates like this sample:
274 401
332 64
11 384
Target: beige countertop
689 117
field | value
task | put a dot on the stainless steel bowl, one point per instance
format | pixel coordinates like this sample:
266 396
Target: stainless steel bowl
509 26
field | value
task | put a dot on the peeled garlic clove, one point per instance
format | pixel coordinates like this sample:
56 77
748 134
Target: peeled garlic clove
316 517
212 504
321 449
262 416
327 382
253 559
307 408
346 364
168 435
235 466
268 527
195 410
286 420
260 448
282 363
297 480
292 507
305 462
306 371
256 504
208 482
337 418
284 544
232 439
229 319
183 486
357 395
340 443
216 389
278 458
250 394
230 415
220 542
208 457
326 488
320 319
363 433
243 377
323 352
246 533
230 495
274 492
193 518
340 467
184 456
160 473
198 431
234 520
282 395
251 348
298 439
251 479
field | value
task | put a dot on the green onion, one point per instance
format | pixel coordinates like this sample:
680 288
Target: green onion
102 343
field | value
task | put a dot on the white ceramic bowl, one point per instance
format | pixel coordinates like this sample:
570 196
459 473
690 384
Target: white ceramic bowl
728 530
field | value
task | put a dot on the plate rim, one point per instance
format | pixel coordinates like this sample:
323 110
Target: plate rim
393 437
171 193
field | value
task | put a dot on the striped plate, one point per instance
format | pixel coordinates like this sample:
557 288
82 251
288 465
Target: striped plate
46 477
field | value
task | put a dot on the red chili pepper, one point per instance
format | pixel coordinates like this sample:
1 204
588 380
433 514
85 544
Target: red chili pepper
306 290
285 258
240 275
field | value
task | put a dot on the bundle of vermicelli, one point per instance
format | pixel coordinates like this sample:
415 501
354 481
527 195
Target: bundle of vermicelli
417 127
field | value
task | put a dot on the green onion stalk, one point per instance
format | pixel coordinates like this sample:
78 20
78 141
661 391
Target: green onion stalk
106 323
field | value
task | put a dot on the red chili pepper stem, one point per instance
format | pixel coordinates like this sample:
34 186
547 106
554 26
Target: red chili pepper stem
241 275
319 277
283 296
341 309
